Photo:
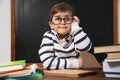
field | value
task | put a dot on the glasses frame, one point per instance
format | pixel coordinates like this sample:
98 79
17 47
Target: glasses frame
61 20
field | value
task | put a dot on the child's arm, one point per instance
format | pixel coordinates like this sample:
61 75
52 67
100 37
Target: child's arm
81 40
49 60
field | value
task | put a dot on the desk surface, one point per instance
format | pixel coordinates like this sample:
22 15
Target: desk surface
98 76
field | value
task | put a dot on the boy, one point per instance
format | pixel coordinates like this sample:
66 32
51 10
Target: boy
61 47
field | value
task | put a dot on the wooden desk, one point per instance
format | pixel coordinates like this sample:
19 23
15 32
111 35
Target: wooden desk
98 76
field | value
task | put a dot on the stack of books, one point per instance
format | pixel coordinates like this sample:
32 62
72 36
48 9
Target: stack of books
17 69
111 65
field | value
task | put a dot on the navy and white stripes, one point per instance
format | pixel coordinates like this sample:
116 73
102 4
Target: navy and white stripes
61 54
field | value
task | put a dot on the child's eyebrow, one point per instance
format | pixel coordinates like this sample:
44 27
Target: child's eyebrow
64 16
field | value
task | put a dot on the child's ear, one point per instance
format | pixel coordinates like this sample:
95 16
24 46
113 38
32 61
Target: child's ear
50 24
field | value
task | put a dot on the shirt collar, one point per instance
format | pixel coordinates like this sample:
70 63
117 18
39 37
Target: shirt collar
67 37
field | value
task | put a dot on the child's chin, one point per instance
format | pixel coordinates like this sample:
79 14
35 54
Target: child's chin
65 34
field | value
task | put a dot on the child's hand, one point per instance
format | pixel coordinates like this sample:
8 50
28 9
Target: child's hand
80 60
76 19
75 24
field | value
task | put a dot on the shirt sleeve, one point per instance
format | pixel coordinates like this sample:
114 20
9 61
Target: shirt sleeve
81 40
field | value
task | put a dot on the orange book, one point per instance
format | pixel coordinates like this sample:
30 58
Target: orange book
14 72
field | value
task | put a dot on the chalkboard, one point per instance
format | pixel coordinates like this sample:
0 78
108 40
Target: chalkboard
32 16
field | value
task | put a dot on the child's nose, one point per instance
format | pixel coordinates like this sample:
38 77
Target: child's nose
63 21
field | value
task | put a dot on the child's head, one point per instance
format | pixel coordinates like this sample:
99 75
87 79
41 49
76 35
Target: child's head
61 17
61 7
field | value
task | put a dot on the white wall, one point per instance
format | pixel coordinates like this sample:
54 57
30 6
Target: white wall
5 28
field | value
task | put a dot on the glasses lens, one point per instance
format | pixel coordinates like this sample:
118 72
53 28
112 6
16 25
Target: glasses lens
56 20
68 20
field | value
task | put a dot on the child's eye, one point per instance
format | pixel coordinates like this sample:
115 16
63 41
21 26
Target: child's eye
58 19
67 19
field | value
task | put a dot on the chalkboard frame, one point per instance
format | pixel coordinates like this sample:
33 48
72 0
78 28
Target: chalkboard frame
115 26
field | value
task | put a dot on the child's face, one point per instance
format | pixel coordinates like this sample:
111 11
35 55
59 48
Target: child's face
61 23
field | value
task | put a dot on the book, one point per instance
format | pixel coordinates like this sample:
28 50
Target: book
112 60
113 55
88 60
70 72
111 68
13 65
14 72
112 75
107 48
25 72
111 65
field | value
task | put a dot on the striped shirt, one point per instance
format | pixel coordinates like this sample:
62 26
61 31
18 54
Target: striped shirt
56 53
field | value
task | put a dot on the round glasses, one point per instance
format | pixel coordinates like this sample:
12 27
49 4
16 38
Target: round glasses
57 20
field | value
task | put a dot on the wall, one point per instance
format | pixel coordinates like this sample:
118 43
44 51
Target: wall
5 28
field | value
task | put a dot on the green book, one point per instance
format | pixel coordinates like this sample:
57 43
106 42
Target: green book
13 65
17 62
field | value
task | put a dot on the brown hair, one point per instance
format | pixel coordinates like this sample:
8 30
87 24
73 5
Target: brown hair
61 7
